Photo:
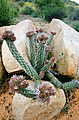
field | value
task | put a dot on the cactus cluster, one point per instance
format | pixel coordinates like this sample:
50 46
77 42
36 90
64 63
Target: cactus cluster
39 43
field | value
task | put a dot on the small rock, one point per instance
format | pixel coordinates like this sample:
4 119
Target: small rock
9 104
6 107
10 93
73 97
70 115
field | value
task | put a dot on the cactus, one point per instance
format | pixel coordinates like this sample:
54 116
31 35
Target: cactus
38 56
32 48
28 68
50 39
54 80
70 85
17 83
50 63
29 93
45 91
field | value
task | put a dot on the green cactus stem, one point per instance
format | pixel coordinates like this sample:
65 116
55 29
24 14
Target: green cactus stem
70 85
32 51
49 40
45 57
47 44
29 93
28 68
46 67
54 80
39 57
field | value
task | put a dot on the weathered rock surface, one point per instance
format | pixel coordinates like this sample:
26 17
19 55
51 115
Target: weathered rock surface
25 108
21 43
66 47
1 69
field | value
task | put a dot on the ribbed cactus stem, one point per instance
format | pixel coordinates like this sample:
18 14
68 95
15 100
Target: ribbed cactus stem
53 79
32 51
29 93
47 44
49 40
70 85
45 57
28 68
46 67
39 57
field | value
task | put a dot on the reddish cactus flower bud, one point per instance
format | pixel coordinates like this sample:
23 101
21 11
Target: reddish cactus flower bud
42 38
40 30
16 83
8 35
45 91
30 34
42 73
53 33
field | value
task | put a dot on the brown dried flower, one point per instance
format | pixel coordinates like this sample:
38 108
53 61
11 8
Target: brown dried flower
8 35
40 30
30 34
53 33
45 92
43 37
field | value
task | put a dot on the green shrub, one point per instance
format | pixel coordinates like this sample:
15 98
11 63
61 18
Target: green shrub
51 13
27 10
51 9
35 15
21 3
67 21
7 12
70 9
16 0
75 14
76 26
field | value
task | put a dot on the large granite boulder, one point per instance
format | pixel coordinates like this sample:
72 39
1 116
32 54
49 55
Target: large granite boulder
21 43
25 108
65 47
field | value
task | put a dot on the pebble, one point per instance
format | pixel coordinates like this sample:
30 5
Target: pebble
2 119
70 115
8 111
10 93
73 97
9 104
6 107
70 104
